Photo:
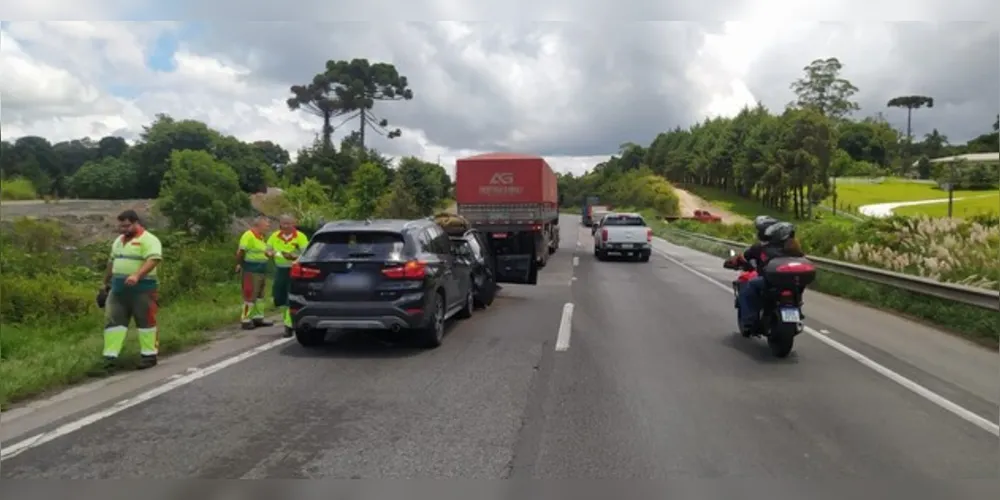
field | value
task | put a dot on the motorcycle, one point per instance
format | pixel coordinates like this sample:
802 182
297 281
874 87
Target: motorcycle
781 316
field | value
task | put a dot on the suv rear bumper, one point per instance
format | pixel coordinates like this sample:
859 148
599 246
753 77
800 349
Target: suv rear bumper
408 312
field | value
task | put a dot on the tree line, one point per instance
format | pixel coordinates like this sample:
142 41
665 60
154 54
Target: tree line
786 161
203 177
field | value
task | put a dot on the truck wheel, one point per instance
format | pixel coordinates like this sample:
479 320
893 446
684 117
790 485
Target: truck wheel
552 250
644 257
600 254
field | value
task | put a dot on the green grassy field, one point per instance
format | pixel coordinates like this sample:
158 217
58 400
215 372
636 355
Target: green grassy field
851 195
975 205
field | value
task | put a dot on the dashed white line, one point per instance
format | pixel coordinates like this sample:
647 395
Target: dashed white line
565 328
935 398
172 383
576 260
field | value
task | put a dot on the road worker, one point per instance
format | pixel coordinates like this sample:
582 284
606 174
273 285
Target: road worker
286 245
131 278
251 260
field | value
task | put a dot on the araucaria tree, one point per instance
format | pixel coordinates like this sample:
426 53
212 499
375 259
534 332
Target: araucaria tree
350 89
910 102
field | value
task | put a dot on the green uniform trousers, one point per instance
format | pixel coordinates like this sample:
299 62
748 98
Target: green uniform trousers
253 290
279 290
123 307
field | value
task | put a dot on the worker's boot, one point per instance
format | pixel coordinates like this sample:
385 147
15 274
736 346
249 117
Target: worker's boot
248 325
108 366
147 361
262 322
289 332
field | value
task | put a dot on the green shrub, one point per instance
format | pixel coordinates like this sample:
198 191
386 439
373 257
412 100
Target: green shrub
17 188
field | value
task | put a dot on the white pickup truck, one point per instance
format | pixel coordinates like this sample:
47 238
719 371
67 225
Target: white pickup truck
625 234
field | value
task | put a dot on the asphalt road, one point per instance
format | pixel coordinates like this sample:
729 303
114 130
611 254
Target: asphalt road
654 385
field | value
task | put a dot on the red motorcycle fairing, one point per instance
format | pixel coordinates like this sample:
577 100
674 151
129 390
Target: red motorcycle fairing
745 276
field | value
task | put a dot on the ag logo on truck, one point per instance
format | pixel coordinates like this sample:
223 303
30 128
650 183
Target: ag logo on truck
501 184
502 179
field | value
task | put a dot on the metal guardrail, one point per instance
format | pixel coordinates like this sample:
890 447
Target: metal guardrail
979 297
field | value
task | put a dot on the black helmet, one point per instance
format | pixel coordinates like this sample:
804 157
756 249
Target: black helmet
779 232
761 223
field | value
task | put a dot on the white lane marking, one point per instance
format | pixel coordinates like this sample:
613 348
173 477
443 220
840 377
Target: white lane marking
172 383
565 327
576 260
939 400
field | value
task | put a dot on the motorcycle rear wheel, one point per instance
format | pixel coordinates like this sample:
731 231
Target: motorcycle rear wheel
781 340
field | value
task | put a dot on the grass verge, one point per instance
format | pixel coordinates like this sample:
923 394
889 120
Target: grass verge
978 325
39 358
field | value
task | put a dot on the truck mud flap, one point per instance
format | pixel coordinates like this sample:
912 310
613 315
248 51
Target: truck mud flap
519 269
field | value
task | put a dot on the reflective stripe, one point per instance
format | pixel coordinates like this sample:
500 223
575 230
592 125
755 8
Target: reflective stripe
115 329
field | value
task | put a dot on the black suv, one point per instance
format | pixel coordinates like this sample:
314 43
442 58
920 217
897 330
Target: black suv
376 275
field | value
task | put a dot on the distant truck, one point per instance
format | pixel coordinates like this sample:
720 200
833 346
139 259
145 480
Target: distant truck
699 215
586 215
514 200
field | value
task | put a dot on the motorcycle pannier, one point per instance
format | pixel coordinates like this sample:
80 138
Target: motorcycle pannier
789 272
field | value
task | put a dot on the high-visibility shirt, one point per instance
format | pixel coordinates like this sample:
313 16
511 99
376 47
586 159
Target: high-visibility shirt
254 248
128 255
294 243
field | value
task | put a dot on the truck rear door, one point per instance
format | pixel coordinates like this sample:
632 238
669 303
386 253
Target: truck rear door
514 256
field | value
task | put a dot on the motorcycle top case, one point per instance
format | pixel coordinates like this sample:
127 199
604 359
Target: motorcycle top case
789 272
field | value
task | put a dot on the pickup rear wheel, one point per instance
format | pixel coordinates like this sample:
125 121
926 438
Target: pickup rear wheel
644 257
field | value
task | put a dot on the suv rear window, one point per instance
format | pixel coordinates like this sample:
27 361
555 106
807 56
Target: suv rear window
624 220
355 245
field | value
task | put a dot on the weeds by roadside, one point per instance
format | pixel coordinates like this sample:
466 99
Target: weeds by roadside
975 324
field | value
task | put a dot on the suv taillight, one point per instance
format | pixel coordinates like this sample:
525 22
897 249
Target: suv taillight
412 270
604 235
300 272
649 235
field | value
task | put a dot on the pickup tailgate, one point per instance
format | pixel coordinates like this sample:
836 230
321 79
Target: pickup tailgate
626 234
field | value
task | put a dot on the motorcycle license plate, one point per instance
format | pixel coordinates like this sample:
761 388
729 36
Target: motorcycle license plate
790 315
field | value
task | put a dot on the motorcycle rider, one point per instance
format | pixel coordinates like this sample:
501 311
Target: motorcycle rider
780 241
757 256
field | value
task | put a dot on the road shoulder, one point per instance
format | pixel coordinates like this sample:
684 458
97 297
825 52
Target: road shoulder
965 372
39 415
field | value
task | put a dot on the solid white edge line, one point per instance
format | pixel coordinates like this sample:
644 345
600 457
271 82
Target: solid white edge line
565 327
939 400
172 383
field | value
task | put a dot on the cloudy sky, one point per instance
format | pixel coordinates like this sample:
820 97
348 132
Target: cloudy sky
572 91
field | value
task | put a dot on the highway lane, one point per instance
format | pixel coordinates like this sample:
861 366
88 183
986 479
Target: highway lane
658 384
655 384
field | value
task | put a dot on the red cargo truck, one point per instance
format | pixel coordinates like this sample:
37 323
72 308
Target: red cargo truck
514 200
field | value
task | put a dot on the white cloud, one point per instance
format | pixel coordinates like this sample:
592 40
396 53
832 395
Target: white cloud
569 91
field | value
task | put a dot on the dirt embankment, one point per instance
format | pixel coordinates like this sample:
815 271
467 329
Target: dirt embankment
94 220
690 202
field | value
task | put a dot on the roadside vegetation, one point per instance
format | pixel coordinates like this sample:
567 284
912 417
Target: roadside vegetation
759 162
204 184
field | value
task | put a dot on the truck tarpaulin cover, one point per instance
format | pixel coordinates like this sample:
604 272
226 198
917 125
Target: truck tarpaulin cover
505 178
